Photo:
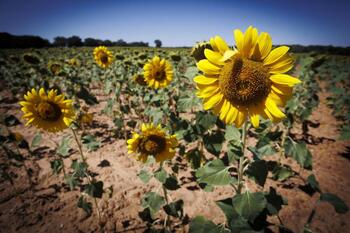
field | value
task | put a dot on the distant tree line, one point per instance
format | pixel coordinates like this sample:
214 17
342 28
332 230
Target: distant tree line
11 41
328 49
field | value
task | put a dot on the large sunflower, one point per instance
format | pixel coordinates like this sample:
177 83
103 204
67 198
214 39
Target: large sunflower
158 73
248 81
152 141
49 111
103 56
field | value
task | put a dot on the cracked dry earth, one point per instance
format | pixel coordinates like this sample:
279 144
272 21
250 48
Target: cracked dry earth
44 203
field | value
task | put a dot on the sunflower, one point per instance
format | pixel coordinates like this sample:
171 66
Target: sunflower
158 72
198 50
74 62
103 56
49 111
248 81
54 67
153 141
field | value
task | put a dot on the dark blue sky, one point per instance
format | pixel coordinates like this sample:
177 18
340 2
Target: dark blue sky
180 22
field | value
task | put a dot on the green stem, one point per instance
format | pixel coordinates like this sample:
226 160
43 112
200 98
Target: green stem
241 159
83 158
79 146
165 193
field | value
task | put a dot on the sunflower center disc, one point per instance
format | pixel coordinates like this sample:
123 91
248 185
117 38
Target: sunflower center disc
48 111
244 81
104 58
153 144
160 75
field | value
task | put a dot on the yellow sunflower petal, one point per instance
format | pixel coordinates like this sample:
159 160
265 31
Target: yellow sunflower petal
241 117
265 44
284 79
212 101
273 109
254 112
207 67
239 37
221 44
214 57
205 80
275 55
228 55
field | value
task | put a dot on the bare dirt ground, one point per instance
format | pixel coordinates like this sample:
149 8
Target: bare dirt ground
49 206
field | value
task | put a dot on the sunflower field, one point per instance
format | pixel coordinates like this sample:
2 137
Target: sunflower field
236 136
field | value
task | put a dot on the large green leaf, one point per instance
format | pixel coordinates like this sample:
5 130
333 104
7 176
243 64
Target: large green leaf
274 201
200 225
144 176
213 142
63 148
36 140
94 189
153 201
258 171
299 152
249 205
91 142
338 204
214 173
232 133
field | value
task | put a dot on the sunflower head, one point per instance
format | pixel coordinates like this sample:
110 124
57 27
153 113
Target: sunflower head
139 79
247 81
54 67
175 57
74 62
103 56
86 118
31 58
51 112
158 72
198 50
152 141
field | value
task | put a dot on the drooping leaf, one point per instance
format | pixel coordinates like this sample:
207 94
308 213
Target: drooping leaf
71 181
36 140
56 166
94 189
144 176
338 204
85 205
200 225
214 173
64 147
79 168
171 183
161 175
258 171
299 152
282 173
249 205
153 201
213 142
174 209
91 142
274 201
232 133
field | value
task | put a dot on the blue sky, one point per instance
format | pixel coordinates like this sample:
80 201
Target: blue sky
179 22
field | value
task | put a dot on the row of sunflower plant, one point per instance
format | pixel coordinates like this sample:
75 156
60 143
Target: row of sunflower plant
242 89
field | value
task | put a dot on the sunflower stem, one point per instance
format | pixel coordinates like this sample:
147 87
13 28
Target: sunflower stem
83 158
242 158
165 193
79 146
